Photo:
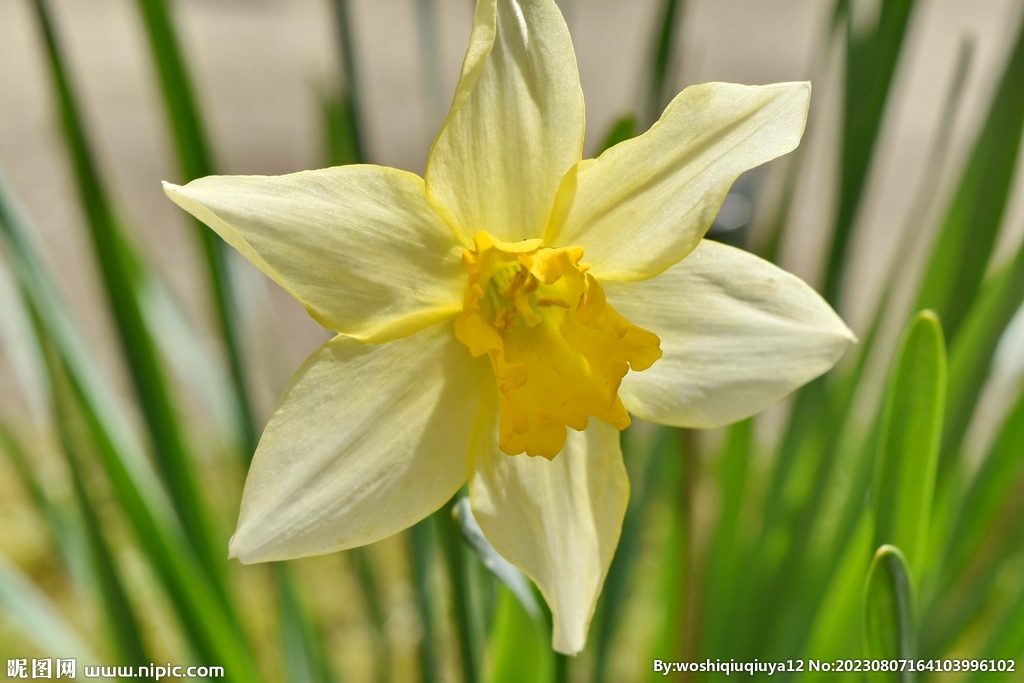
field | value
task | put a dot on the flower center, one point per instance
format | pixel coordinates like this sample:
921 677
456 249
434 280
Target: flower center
558 349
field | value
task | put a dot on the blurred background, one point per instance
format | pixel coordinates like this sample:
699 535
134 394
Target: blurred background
909 165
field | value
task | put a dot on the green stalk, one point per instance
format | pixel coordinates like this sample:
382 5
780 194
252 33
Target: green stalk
563 664
421 538
665 50
462 604
351 90
371 594
151 388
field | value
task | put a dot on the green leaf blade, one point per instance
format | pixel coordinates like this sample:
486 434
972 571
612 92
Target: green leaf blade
888 613
909 444
968 234
139 350
519 644
871 58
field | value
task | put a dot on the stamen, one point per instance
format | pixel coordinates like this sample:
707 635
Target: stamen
509 291
558 350
549 301
530 316
504 319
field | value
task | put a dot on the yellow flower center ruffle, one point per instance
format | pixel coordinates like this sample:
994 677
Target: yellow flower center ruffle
558 349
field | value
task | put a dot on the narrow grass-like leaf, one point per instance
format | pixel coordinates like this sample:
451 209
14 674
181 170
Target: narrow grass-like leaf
909 444
1005 643
768 248
519 645
622 129
1002 468
22 351
304 660
151 388
665 50
339 132
466 619
723 567
672 578
835 633
871 57
955 605
211 627
366 576
302 649
421 540
760 598
65 525
968 234
350 100
195 161
10 445
650 464
802 574
185 351
888 614
27 609
147 507
972 350
118 610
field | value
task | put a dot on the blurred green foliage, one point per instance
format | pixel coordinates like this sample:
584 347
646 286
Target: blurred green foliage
850 537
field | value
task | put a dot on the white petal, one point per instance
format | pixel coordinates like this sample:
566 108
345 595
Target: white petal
359 246
515 126
737 334
367 440
558 520
647 202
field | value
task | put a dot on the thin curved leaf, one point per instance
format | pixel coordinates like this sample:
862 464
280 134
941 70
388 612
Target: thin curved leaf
888 613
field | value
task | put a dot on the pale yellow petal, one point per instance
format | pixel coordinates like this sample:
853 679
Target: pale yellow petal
515 126
558 520
646 203
359 246
367 440
737 334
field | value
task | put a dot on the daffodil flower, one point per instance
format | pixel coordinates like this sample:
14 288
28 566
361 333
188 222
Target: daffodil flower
499 319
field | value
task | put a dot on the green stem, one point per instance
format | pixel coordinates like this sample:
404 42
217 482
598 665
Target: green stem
351 85
562 665
462 599
371 593
421 538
